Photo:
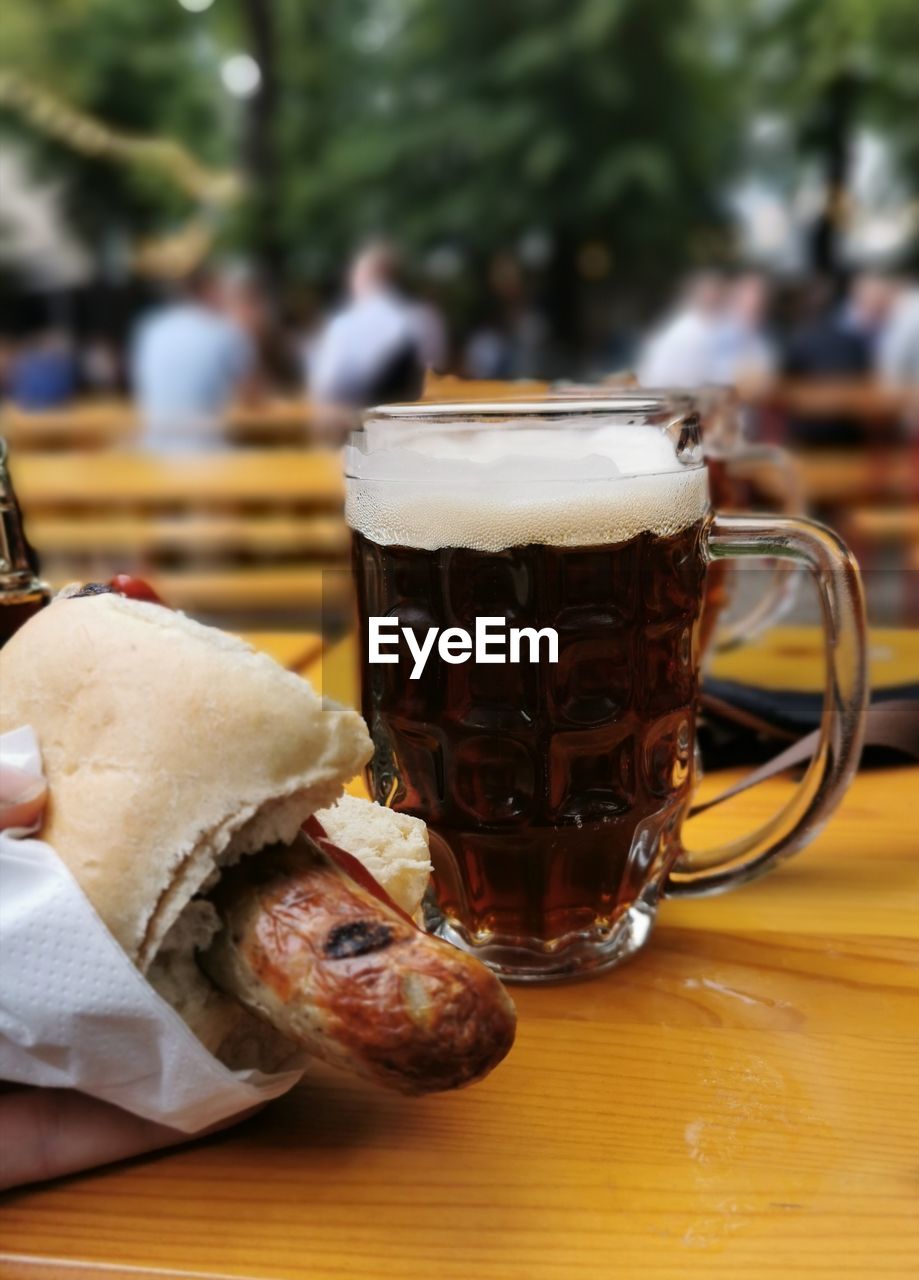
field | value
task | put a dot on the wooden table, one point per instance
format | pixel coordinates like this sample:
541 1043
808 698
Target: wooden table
740 1100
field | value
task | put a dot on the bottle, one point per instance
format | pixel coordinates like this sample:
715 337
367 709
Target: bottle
22 591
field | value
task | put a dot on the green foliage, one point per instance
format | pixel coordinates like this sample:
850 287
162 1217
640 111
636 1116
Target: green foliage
445 121
140 68
792 51
591 119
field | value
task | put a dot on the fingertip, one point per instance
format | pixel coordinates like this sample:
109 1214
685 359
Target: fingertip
22 798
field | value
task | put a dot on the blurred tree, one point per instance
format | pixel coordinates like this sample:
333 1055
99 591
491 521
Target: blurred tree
595 123
599 135
139 67
831 68
261 149
589 122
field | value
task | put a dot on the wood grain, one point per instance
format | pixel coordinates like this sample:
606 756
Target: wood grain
275 478
740 1100
294 590
845 476
110 423
192 535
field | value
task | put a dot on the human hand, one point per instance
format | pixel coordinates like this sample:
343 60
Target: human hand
48 1133
22 797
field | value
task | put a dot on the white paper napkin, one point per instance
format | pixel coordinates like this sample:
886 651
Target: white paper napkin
74 1011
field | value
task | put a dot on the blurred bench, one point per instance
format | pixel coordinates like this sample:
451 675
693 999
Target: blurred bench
835 398
887 538
894 526
101 424
870 497
236 535
841 477
298 594
96 424
447 386
243 537
276 479
114 424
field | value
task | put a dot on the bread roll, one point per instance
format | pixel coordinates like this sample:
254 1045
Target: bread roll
170 749
392 846
172 753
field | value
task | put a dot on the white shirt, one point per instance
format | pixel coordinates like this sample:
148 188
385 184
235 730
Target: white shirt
356 345
431 333
187 362
898 346
739 352
680 353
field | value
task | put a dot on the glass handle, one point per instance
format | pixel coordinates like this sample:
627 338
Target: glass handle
810 545
782 585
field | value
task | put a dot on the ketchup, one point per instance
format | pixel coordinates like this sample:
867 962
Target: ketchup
125 584
351 866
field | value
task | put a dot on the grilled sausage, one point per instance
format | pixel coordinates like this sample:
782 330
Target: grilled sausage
352 979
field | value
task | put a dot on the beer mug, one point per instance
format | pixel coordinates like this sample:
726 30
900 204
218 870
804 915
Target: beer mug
553 762
744 475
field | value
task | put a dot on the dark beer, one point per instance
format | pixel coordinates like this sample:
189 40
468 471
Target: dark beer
554 787
22 593
553 791
726 496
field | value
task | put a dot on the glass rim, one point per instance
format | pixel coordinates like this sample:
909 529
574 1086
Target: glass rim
389 426
569 405
542 482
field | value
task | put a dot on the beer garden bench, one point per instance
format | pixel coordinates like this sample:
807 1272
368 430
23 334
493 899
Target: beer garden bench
233 536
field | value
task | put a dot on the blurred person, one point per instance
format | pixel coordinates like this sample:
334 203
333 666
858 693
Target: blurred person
248 303
43 374
304 325
100 366
681 351
433 338
189 360
522 321
897 353
511 338
372 350
742 352
867 307
487 353
832 341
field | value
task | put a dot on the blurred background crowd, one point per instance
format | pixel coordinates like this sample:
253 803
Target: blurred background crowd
230 222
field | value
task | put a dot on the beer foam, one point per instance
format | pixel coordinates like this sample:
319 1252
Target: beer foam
487 490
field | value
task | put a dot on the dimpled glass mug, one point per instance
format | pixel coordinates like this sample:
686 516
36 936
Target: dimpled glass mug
555 792
743 475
